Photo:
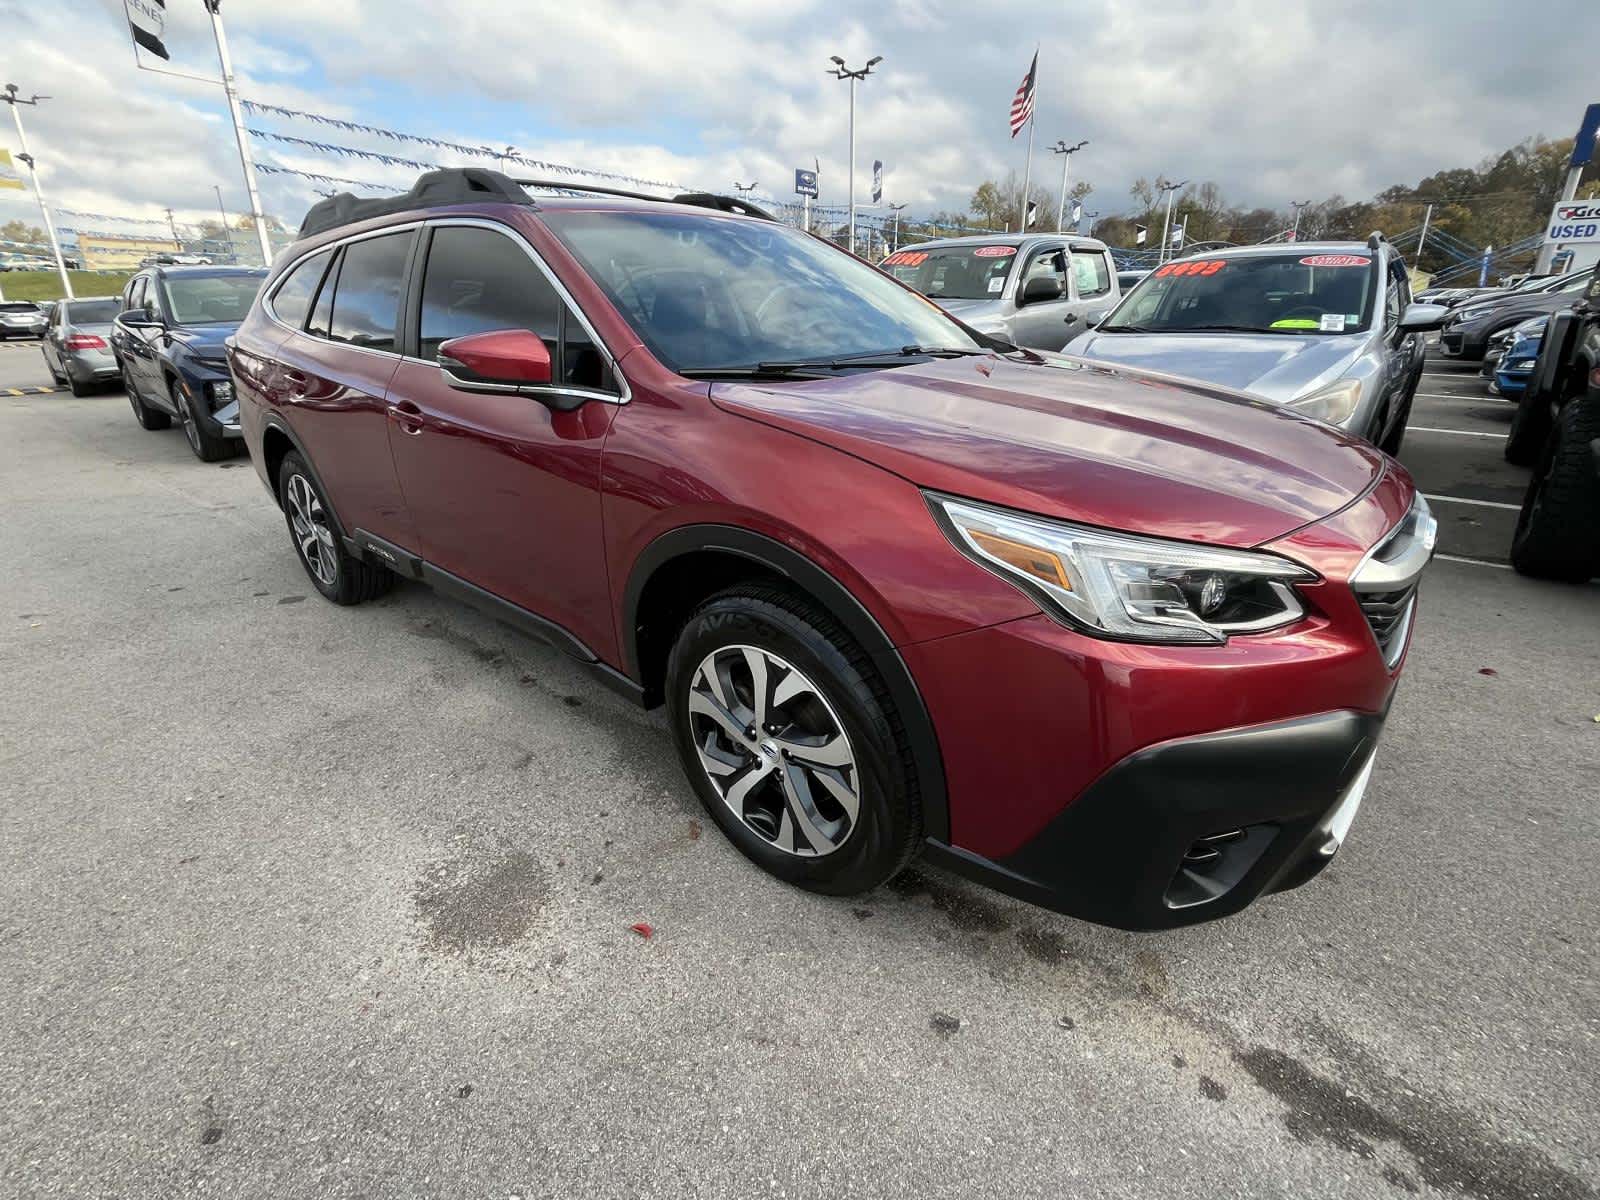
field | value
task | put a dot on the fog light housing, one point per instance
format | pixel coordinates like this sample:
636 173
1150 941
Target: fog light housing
221 393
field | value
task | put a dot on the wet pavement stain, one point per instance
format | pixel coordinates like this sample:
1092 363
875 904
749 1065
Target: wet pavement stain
469 906
290 599
966 910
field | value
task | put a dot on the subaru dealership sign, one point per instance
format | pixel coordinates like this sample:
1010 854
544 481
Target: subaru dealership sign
1574 222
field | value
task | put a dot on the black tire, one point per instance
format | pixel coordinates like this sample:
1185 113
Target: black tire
1530 428
1392 440
148 418
79 389
206 446
341 576
887 830
1558 529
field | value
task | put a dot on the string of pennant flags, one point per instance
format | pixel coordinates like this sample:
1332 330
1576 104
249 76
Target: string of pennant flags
396 135
98 216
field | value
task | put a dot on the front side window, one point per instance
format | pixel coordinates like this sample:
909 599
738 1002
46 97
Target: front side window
1289 293
1090 273
206 300
707 292
477 280
292 301
1048 265
366 300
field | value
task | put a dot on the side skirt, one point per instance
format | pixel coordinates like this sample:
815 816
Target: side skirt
402 562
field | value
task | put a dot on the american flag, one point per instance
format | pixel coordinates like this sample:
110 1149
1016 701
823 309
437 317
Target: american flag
1022 102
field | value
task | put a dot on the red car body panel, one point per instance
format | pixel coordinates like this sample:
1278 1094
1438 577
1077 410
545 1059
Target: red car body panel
554 511
1083 443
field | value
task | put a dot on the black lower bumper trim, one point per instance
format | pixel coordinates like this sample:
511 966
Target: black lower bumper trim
1116 855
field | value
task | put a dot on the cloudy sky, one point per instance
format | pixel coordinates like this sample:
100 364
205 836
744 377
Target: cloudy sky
1274 101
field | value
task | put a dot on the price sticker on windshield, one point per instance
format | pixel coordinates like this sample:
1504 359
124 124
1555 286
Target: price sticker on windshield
1200 266
1335 260
906 258
994 251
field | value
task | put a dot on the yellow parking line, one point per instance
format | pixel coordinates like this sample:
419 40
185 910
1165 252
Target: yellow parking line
33 391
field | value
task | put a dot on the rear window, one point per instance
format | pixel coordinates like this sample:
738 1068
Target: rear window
92 312
18 306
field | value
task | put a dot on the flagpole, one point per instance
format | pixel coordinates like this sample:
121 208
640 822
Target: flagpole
1027 170
214 7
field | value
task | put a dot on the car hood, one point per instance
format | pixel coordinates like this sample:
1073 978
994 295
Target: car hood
206 341
1274 366
1081 442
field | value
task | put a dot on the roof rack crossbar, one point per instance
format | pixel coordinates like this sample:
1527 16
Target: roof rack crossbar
728 204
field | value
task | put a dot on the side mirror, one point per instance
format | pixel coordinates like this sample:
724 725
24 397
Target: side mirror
1092 321
1420 317
139 318
1041 289
497 361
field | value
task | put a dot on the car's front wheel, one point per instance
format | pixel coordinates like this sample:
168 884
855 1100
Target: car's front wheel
335 572
147 417
791 741
1558 530
206 446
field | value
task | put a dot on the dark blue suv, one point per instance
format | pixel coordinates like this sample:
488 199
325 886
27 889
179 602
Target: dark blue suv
168 341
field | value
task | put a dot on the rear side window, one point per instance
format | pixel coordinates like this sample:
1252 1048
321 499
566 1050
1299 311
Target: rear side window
136 292
1090 273
477 280
366 301
292 301
322 312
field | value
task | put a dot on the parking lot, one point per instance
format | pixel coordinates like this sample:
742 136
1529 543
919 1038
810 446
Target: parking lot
303 900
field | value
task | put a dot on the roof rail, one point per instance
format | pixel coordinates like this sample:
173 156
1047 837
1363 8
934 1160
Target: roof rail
727 204
434 189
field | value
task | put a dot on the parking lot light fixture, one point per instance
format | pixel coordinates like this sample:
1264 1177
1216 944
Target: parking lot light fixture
1171 189
1066 153
840 71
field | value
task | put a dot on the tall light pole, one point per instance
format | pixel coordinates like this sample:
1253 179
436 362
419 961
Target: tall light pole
1171 189
744 189
214 7
223 213
1066 153
896 208
840 71
1297 205
10 97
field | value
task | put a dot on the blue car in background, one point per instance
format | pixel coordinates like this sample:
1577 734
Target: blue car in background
168 340
1512 367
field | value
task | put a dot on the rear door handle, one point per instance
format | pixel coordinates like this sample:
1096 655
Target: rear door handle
406 415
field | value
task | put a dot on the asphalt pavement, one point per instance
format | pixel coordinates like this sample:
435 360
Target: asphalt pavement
298 900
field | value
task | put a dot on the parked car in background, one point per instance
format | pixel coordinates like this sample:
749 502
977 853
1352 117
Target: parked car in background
77 343
26 262
1033 290
1325 329
168 341
1499 346
1557 535
21 318
1126 280
1468 328
880 568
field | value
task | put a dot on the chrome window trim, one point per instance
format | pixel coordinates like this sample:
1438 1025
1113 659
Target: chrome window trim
268 298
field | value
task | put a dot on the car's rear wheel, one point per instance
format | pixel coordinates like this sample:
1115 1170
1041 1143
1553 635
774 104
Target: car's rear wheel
1558 530
339 575
791 742
206 447
147 417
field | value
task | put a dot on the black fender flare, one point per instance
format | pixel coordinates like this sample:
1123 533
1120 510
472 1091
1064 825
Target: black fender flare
273 421
844 607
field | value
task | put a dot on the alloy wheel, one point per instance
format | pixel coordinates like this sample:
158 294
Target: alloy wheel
191 430
774 750
312 534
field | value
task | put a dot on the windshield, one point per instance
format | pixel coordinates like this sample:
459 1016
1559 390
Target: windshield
962 272
711 292
92 312
1292 292
203 300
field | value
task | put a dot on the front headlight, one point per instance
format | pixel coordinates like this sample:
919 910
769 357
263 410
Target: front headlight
1122 586
1332 404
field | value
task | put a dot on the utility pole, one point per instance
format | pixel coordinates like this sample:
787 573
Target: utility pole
1297 205
1171 190
214 7
744 189
11 98
1066 153
226 232
840 71
1422 238
177 242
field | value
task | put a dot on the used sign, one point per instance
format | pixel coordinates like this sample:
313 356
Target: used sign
1574 222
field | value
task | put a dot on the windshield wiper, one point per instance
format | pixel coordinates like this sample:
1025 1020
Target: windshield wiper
766 370
800 367
1234 329
1128 329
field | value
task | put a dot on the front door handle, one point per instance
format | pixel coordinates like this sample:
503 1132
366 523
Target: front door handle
406 415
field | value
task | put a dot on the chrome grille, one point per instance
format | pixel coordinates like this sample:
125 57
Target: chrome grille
1389 614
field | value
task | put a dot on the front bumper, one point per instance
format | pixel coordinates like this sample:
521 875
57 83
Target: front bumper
1195 828
1512 384
223 420
1463 343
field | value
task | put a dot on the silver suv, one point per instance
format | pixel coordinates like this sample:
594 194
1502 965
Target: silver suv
1326 329
1033 290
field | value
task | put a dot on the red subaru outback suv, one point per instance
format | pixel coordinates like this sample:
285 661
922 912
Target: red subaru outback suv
1112 642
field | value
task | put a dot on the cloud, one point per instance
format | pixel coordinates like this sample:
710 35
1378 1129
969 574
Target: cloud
1290 101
